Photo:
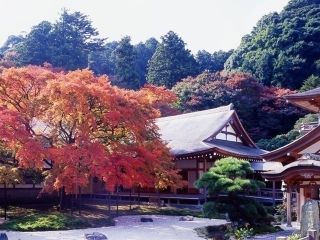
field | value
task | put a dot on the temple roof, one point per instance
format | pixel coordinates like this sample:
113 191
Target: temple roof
265 166
235 149
294 149
309 100
308 163
195 132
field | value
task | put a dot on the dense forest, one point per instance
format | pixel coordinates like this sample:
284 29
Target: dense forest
281 55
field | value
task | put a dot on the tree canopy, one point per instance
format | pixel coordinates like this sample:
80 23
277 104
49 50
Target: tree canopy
65 43
171 62
212 62
230 176
283 49
286 138
86 127
262 110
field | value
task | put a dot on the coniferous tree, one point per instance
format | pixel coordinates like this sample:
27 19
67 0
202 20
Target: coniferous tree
171 62
124 59
144 53
66 43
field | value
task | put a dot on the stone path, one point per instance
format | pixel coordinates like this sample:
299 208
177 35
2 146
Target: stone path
129 228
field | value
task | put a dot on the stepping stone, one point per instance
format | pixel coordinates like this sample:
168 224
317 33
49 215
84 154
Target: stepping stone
95 236
146 219
186 218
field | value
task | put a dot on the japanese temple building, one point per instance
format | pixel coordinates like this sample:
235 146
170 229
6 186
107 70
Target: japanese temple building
300 160
196 140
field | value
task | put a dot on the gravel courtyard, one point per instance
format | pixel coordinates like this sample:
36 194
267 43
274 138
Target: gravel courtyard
129 228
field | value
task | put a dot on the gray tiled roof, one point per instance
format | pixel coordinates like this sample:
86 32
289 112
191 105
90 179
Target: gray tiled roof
236 148
307 160
189 133
266 166
312 92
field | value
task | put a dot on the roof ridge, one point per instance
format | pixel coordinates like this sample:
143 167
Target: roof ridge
220 109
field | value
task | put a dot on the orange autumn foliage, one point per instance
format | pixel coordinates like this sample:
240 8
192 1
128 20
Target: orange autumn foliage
85 127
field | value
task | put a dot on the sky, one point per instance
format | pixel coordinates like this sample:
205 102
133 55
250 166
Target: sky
203 24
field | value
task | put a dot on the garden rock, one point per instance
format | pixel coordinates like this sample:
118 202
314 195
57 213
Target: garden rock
3 236
95 236
309 217
186 218
146 219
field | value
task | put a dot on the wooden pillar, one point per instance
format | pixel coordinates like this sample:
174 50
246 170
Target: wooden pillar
274 193
298 205
289 208
205 164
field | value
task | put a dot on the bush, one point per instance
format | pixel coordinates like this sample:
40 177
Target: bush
214 209
249 211
213 232
243 233
42 222
294 237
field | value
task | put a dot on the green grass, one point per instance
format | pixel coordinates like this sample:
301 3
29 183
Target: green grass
43 222
170 211
41 217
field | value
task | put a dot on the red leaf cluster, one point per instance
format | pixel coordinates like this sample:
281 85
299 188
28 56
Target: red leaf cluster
85 127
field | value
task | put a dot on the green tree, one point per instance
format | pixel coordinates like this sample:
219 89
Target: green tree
124 59
212 62
66 43
11 41
171 62
282 49
284 139
102 62
144 53
37 47
310 83
74 38
229 176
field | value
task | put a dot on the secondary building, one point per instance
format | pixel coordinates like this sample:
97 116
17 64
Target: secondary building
300 160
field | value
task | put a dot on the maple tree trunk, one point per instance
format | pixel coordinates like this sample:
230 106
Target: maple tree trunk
60 199
5 201
139 202
130 203
117 200
109 202
71 196
79 200
158 196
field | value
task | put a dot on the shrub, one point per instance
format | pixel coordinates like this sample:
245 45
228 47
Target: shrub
41 222
294 237
243 233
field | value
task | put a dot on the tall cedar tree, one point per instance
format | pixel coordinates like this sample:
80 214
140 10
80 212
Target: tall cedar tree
171 62
65 44
124 59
